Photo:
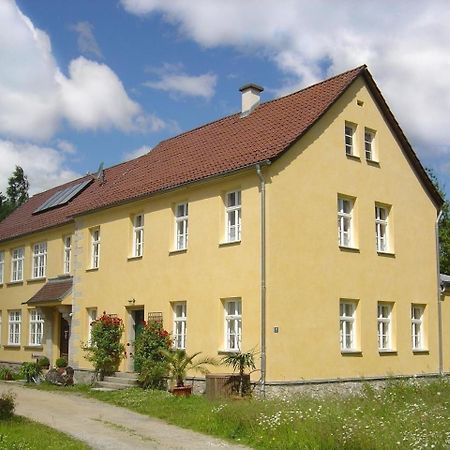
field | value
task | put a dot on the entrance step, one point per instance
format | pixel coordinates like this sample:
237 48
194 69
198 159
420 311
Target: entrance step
129 375
120 380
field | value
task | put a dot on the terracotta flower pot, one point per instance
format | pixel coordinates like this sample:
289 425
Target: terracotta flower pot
182 391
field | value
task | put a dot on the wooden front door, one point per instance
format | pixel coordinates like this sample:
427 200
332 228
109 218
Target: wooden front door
138 326
64 339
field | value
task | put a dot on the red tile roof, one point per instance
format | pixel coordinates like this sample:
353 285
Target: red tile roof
55 289
220 147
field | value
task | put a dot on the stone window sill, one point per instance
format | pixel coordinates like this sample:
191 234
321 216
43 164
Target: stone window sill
15 283
92 269
349 249
351 352
229 244
134 258
178 252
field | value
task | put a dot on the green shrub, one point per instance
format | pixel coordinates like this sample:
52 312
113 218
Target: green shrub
30 371
7 405
61 362
6 374
44 362
153 375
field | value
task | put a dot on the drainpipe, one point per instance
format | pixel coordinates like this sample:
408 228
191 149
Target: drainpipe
262 190
439 304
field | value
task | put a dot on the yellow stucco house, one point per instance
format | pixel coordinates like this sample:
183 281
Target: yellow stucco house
303 227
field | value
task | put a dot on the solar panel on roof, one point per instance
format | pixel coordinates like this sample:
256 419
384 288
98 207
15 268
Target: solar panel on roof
64 196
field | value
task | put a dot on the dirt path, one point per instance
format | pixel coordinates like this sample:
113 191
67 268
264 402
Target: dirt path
104 426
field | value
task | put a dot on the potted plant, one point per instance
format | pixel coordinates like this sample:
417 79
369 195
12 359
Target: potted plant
61 364
30 371
44 362
179 363
241 361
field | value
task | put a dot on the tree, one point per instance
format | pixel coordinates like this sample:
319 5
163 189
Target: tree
16 193
444 226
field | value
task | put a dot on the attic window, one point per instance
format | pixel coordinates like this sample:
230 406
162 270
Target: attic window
63 196
359 102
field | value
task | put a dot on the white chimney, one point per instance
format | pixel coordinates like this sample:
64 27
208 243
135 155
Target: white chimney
250 97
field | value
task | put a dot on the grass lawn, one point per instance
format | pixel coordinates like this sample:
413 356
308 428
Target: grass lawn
19 433
404 415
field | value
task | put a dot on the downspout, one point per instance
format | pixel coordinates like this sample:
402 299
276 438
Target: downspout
262 190
439 304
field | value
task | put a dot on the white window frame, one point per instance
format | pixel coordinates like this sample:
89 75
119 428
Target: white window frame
369 144
345 221
67 263
14 327
233 324
384 326
233 216
17 260
91 317
382 228
417 331
36 328
95 248
349 139
181 226
347 325
39 261
179 325
2 266
138 235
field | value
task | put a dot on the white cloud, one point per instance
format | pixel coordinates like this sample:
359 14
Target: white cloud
66 146
87 44
44 166
136 153
35 95
177 83
405 44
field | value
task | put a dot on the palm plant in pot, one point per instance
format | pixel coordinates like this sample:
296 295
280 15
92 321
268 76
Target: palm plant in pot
179 363
240 362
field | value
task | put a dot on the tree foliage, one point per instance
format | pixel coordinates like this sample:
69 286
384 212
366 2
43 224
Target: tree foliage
16 192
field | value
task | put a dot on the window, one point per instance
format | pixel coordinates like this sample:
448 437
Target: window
179 325
181 226
369 144
233 324
67 253
384 326
347 325
233 216
14 327
417 327
17 264
92 316
36 327
39 260
2 266
349 139
95 248
138 235
345 211
381 228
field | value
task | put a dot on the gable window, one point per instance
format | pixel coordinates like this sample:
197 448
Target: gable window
417 327
350 130
369 144
384 329
181 226
179 325
233 324
17 256
138 235
67 254
2 266
233 216
347 311
39 260
381 228
345 217
36 327
95 248
14 325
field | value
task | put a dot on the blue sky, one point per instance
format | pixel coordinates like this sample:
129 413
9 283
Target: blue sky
89 81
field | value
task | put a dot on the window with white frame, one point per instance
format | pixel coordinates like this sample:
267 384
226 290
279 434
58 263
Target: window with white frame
17 257
384 328
381 228
2 266
350 149
345 217
179 325
67 254
181 226
347 313
39 260
233 324
233 216
138 235
14 325
369 144
36 327
91 316
95 248
417 327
